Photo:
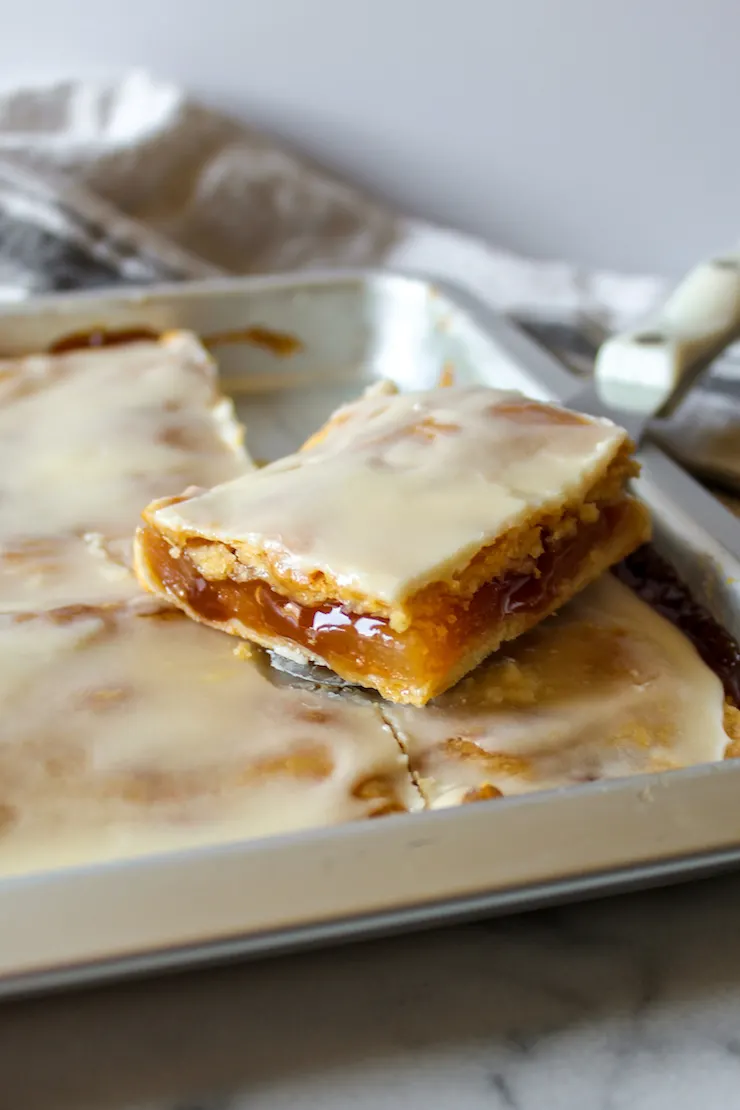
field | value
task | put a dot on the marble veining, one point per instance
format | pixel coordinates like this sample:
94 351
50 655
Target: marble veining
625 1004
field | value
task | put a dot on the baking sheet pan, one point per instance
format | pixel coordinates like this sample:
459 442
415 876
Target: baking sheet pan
98 921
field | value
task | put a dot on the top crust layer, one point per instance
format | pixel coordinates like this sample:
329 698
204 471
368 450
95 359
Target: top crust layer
401 490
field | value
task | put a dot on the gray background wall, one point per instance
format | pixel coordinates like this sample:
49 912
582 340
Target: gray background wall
603 130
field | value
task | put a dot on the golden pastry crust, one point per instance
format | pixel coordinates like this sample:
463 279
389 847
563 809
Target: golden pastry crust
731 722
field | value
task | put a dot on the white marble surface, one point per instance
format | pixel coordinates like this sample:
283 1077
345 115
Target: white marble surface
627 1003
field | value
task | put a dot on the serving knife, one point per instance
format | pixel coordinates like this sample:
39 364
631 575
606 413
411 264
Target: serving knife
644 374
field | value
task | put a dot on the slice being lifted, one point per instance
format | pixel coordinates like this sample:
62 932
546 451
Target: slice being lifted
408 539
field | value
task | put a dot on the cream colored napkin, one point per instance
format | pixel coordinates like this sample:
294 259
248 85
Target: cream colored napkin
134 182
232 197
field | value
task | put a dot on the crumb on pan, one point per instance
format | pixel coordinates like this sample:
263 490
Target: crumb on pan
732 728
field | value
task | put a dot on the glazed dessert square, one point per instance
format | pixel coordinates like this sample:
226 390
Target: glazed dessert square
408 539
154 734
605 689
88 437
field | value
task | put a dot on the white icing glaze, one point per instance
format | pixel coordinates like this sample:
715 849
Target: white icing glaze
86 440
404 488
605 689
126 734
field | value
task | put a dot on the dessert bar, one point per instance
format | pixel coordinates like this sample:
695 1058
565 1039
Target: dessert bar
606 688
86 438
409 538
153 733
